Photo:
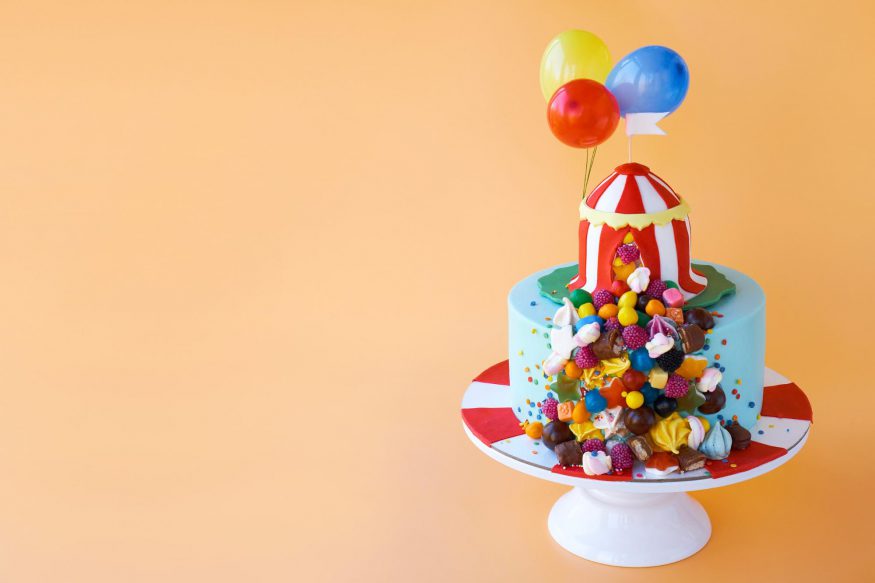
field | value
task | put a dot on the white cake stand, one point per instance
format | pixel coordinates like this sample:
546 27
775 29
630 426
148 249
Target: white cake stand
640 522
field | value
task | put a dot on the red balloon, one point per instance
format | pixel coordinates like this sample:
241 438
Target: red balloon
583 113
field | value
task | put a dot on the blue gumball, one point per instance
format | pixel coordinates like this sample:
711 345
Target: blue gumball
594 401
652 79
588 320
640 360
650 394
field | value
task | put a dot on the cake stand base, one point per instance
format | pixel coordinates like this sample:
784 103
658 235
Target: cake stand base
629 529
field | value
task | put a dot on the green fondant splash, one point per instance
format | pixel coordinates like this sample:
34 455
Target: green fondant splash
552 286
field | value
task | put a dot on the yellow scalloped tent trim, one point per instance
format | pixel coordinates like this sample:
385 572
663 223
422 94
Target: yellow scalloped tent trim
636 221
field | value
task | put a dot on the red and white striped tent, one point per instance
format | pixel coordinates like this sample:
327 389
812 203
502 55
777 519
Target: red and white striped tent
633 198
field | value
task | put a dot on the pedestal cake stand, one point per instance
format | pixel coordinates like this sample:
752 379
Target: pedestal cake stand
631 519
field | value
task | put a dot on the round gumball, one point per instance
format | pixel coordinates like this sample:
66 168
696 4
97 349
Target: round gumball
583 114
641 304
641 360
579 297
640 420
634 399
634 379
665 406
594 402
619 287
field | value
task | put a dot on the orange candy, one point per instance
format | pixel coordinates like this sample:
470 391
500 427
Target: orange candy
675 314
535 430
573 371
613 393
565 410
654 308
692 367
580 414
608 311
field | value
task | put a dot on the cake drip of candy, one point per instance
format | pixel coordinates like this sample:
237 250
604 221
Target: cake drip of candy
627 391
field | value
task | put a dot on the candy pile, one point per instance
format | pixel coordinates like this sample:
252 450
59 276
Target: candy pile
629 384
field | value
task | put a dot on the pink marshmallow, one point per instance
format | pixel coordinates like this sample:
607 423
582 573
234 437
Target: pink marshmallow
673 298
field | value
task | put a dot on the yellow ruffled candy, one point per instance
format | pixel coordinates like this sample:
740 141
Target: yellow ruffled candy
692 367
586 310
615 367
535 430
669 434
608 311
627 316
634 399
586 430
628 299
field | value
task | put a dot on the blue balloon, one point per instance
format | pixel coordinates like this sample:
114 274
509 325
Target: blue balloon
652 79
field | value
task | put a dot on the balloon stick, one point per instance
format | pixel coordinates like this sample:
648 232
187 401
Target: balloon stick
630 149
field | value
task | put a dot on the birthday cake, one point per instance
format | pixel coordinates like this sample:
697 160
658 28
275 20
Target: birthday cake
637 351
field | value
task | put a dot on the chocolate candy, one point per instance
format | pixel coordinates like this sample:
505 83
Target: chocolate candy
640 447
569 453
740 436
609 345
643 300
640 420
692 337
714 401
690 459
700 317
556 432
664 406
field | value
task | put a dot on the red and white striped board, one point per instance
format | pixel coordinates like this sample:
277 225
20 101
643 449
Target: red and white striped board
784 422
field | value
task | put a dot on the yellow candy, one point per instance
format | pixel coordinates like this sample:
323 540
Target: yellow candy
615 367
573 371
586 310
654 308
657 378
624 271
586 430
535 430
628 238
627 316
592 377
634 399
692 367
580 414
608 311
629 299
669 434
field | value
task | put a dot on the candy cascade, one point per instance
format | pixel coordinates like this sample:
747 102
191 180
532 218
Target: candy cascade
628 378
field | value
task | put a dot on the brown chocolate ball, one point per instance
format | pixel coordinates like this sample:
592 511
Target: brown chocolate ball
740 436
569 453
700 317
714 401
692 337
556 432
640 420
609 345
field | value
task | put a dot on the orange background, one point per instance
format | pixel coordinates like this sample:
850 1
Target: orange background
253 252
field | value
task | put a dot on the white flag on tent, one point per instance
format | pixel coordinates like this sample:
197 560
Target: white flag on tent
638 124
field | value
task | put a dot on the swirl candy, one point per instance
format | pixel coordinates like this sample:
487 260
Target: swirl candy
711 377
717 443
661 325
659 345
697 432
638 280
670 433
596 463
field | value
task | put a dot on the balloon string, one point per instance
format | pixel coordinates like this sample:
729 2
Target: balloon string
589 163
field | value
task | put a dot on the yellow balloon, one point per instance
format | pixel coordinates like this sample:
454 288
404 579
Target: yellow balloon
573 54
